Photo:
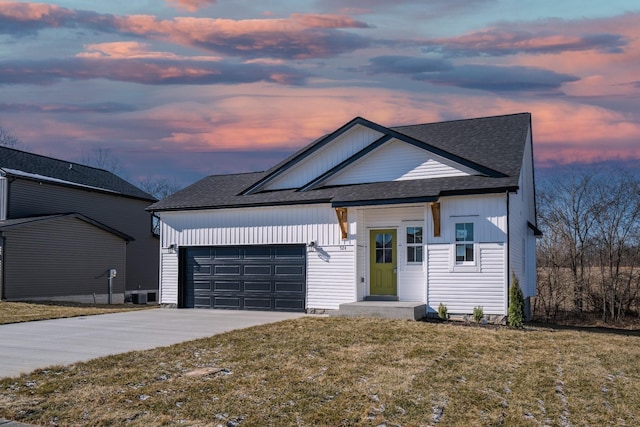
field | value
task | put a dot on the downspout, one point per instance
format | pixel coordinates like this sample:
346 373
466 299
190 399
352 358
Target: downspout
508 264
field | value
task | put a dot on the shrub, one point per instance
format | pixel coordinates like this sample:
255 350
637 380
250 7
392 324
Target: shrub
478 313
443 312
516 304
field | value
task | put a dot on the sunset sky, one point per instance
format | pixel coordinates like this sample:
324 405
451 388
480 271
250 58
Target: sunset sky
182 89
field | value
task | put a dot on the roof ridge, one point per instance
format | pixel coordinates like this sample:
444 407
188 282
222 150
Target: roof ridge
234 174
460 120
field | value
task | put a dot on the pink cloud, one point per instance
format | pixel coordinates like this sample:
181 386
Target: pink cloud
299 36
131 49
191 5
327 21
611 35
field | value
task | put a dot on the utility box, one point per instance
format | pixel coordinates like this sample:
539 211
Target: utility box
139 298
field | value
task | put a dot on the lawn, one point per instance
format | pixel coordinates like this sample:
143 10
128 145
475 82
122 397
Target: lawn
15 312
319 371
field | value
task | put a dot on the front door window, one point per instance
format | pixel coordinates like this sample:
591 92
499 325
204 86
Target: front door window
383 262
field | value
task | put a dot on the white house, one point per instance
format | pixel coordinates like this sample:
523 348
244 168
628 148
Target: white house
432 213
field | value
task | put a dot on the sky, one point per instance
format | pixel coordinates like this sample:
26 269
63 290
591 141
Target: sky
182 89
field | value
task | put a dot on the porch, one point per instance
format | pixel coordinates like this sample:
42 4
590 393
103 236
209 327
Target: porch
409 310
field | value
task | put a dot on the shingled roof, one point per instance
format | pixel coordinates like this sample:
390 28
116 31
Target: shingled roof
36 167
492 144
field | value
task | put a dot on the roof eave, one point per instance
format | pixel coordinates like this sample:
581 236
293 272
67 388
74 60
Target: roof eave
237 205
70 184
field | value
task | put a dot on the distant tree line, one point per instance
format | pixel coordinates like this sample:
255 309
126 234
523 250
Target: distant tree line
589 257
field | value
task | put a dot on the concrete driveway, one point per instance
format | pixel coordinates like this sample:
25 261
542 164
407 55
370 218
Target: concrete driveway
28 346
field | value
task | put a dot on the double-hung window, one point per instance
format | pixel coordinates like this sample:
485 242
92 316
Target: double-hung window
414 245
464 243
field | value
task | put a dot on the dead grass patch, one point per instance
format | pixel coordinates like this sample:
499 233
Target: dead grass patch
16 312
347 372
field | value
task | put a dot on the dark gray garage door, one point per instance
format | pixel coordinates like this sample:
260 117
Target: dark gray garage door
245 277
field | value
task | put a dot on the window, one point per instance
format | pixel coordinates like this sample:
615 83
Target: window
384 248
155 225
414 245
464 242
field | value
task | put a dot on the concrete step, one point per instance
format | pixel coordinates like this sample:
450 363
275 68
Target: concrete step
382 309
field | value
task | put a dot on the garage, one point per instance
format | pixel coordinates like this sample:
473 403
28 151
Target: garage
244 277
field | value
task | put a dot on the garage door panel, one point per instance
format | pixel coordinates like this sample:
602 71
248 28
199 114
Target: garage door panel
258 286
221 270
290 252
257 270
202 301
258 303
293 287
289 304
200 253
226 302
257 252
226 253
201 270
246 277
200 285
226 286
289 270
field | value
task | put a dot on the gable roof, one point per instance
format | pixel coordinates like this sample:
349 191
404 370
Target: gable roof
42 168
11 224
387 134
493 146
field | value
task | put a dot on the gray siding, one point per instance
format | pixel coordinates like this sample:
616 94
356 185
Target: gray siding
127 215
33 256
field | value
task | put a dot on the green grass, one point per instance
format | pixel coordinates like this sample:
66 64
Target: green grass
15 312
318 371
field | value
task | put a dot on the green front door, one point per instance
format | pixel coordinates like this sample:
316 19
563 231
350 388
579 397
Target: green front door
383 261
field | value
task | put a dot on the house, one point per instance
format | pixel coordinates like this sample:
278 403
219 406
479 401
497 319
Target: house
432 213
64 227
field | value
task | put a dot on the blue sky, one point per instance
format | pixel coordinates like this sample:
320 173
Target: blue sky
181 89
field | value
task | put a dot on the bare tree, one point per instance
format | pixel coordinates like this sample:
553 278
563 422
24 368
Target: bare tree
159 187
566 213
103 158
553 277
7 139
589 256
616 230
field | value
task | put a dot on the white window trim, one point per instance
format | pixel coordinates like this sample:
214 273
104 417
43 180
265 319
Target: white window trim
405 225
466 266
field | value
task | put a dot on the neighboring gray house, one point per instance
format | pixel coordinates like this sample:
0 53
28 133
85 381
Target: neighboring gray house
64 226
432 213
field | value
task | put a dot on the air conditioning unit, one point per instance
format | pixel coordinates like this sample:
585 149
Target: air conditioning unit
139 298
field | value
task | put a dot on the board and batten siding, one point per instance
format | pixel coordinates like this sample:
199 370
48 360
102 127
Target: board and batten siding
127 215
398 161
487 212
522 242
462 291
330 267
325 158
410 278
34 253
254 226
